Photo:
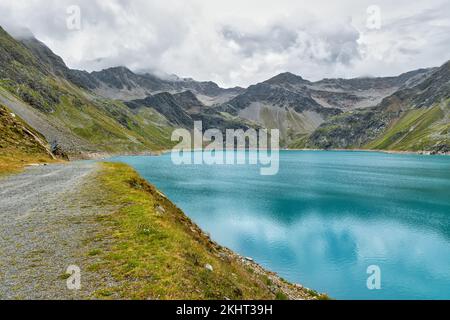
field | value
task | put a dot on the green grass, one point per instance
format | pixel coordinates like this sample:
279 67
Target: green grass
407 128
18 145
299 142
14 162
417 129
110 125
162 255
105 125
281 296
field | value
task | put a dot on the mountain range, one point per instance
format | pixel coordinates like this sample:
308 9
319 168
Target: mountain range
116 110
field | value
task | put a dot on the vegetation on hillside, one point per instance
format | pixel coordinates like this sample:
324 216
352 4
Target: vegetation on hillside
103 125
408 129
153 251
19 144
412 119
417 130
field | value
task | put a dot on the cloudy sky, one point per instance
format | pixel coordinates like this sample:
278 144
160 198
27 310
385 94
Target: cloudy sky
240 42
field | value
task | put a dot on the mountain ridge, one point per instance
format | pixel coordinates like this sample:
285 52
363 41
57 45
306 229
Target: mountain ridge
414 118
37 86
85 112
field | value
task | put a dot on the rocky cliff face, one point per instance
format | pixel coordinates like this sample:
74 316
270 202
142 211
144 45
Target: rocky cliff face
121 83
167 105
182 109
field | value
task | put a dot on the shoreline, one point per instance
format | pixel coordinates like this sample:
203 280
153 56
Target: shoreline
423 153
107 211
293 290
164 207
106 155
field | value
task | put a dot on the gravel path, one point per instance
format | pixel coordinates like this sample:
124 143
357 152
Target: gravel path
45 218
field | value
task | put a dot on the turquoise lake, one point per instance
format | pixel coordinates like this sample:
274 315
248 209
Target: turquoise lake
325 217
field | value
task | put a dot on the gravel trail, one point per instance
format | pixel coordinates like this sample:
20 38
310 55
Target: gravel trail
45 218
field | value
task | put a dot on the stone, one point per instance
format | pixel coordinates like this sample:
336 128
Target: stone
160 209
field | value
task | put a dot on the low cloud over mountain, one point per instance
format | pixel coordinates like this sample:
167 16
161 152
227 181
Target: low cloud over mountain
244 42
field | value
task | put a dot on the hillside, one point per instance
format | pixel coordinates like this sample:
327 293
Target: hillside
89 114
36 85
415 118
20 144
182 109
297 106
121 83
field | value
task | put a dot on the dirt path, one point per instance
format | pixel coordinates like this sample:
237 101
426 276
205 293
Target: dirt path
45 216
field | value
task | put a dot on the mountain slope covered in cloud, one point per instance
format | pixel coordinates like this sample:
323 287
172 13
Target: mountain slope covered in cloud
241 43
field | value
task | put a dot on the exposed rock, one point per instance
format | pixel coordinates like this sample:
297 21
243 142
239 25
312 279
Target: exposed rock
160 209
166 105
209 267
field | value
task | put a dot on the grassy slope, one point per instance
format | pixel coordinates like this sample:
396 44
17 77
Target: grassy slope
18 144
412 119
409 129
299 143
104 124
152 250
110 125
417 129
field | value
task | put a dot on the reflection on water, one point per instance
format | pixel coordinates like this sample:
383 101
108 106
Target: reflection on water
326 217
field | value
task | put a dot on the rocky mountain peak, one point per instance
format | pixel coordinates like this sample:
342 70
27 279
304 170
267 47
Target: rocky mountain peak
287 78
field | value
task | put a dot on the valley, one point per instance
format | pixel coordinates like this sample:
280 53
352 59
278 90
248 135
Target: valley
116 111
129 239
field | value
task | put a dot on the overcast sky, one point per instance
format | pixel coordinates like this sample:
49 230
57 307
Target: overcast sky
241 42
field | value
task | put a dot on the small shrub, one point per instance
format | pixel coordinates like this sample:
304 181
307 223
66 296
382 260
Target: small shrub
281 296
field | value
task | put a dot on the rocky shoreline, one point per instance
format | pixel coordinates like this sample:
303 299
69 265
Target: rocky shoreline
428 153
105 155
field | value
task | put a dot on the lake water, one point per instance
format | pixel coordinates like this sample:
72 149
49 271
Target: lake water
326 217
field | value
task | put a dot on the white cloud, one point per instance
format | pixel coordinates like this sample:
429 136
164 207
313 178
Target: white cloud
241 42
